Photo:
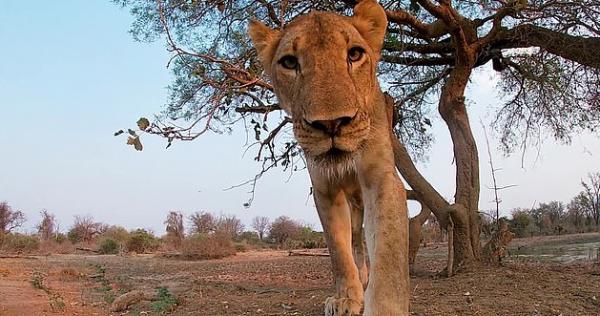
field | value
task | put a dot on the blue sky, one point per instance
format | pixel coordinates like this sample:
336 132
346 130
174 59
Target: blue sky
71 75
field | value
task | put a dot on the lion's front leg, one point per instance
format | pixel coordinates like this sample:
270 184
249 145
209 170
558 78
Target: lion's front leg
358 241
386 232
335 217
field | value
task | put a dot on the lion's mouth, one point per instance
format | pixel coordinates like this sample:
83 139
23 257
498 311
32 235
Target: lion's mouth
334 155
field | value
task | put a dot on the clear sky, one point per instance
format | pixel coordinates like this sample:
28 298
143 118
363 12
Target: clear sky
71 75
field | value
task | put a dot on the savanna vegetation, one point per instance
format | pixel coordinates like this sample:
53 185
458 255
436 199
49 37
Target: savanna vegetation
201 235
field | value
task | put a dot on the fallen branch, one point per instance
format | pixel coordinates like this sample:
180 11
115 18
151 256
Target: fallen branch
308 253
17 257
87 249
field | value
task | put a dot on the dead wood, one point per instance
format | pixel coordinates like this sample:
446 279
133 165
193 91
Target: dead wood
87 249
122 302
17 257
308 253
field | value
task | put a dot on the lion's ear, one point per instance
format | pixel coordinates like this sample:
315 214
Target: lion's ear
265 41
371 22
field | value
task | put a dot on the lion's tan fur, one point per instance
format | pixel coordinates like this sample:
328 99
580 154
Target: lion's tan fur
351 167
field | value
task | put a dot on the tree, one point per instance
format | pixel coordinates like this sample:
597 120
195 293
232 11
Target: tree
9 219
230 226
47 227
519 224
551 87
175 230
202 223
261 225
592 196
577 210
85 229
284 228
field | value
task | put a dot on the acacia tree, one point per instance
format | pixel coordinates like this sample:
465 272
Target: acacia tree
261 224
545 52
202 223
175 230
85 228
230 226
9 219
47 227
591 197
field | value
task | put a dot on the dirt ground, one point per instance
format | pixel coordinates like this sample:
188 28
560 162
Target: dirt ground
272 283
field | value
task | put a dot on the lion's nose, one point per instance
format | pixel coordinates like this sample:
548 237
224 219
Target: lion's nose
331 127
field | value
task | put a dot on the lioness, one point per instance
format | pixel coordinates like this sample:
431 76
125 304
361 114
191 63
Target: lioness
323 69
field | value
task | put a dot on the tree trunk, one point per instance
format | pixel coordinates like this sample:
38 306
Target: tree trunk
465 210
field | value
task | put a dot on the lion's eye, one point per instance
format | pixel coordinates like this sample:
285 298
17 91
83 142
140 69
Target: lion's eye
355 54
289 62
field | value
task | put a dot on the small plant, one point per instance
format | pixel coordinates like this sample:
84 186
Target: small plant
165 301
37 280
56 301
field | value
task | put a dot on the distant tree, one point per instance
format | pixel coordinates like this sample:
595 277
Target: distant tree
577 210
175 230
202 223
142 241
284 228
9 219
520 221
47 227
118 233
261 225
592 196
548 216
85 229
230 226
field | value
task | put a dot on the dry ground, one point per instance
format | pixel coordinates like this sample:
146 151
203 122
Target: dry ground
272 283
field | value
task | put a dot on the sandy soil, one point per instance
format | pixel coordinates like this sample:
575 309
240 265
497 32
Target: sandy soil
272 283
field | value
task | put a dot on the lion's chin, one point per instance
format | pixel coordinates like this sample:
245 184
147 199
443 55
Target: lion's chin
335 162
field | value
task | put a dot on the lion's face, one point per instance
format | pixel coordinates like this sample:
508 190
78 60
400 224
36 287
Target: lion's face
322 67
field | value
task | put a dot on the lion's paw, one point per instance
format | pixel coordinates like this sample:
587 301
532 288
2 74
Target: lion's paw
342 306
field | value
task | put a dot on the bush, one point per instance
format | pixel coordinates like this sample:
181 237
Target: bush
108 246
117 233
311 239
60 238
15 242
52 246
142 241
214 246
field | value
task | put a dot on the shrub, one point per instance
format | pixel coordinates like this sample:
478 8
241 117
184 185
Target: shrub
60 238
249 237
142 241
108 246
309 238
117 233
214 246
51 246
15 242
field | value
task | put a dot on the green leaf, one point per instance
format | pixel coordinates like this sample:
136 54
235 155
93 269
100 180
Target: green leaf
143 123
